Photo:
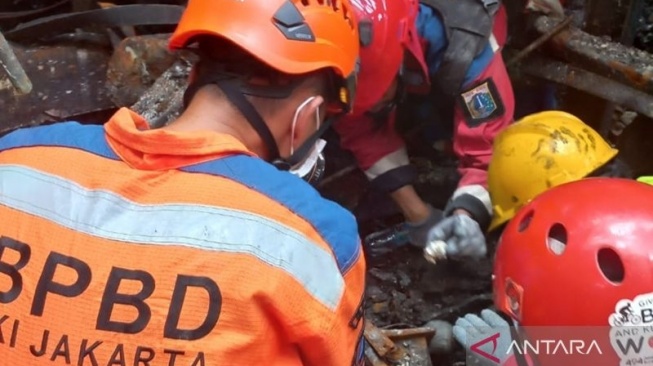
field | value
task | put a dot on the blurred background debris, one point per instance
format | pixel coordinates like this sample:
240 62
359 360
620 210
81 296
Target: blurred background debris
82 59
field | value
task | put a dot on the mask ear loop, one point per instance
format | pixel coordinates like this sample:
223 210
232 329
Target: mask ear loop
294 122
317 118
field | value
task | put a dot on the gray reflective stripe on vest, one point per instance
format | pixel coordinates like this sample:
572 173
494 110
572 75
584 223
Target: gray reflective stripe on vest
106 215
468 26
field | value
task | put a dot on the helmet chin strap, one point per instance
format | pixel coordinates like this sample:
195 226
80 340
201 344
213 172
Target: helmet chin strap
520 359
231 86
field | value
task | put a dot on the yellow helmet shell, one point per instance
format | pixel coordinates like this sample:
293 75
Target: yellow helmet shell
538 152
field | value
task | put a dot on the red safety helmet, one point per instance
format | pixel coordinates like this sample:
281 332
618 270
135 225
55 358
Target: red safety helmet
387 30
577 254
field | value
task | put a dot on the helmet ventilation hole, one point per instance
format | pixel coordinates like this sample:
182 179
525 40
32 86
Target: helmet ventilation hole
525 221
557 239
611 265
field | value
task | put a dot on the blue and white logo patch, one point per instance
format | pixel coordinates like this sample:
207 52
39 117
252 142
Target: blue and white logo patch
481 103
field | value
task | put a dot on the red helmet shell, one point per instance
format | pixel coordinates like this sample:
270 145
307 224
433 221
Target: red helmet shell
575 253
387 31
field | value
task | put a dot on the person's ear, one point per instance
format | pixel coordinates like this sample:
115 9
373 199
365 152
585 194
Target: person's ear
193 74
308 117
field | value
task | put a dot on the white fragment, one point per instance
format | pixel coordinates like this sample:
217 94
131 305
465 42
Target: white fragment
435 251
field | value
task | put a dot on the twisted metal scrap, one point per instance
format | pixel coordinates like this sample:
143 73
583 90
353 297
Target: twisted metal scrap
13 68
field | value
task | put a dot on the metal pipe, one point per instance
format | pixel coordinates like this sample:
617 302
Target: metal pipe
591 83
13 68
627 37
613 60
539 41
15 15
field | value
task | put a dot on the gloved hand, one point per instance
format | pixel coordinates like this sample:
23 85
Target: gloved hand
462 234
418 232
486 339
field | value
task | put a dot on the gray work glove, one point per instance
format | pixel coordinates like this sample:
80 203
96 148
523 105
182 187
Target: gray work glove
486 339
418 232
462 235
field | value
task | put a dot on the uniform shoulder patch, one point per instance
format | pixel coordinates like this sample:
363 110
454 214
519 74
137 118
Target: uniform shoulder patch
481 103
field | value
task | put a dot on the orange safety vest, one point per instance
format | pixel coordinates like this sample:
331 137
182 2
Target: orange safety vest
126 246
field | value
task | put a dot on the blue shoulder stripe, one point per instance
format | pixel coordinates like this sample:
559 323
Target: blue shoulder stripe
334 223
74 135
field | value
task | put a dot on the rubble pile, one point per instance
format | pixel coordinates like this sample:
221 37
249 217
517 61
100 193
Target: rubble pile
405 290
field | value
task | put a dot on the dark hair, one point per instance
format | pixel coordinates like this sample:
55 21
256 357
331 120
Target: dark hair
263 85
615 168
235 60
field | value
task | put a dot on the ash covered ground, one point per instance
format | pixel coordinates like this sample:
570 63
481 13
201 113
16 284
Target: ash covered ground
403 289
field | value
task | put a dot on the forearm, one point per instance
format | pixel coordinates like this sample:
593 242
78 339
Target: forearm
410 204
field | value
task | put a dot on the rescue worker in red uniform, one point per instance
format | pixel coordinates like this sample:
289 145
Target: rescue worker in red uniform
449 53
572 269
197 243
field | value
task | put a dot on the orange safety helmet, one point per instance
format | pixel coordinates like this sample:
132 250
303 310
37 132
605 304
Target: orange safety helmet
388 33
574 256
291 36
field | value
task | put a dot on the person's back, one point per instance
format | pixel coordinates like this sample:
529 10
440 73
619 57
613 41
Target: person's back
178 246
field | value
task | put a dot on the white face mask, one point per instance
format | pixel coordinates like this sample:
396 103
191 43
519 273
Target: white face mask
313 158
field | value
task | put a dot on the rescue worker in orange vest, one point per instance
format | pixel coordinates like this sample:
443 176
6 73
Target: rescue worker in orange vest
444 56
572 270
197 243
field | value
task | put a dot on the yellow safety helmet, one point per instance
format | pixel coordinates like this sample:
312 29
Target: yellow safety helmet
646 179
538 152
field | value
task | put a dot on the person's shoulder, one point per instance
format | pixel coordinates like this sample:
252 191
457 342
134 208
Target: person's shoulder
335 224
53 128
426 12
70 134
429 24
